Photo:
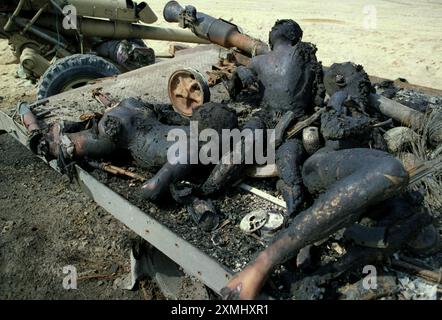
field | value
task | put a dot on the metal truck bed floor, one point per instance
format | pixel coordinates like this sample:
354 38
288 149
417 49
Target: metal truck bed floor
150 84
193 261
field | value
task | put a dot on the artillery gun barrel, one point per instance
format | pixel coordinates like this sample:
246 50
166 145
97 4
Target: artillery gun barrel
217 31
90 27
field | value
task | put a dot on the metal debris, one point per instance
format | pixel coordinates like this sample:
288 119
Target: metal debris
416 289
254 221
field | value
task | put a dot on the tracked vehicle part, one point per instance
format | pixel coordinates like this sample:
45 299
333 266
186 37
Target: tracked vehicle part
188 89
73 72
217 31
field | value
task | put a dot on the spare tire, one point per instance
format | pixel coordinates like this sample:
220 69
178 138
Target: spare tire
73 72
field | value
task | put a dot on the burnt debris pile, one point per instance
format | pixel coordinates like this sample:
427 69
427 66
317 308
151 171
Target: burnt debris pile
355 181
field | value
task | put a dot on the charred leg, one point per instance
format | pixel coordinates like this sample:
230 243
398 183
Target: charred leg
160 184
227 171
355 179
89 144
289 159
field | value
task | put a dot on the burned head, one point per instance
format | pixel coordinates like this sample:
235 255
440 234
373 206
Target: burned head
285 30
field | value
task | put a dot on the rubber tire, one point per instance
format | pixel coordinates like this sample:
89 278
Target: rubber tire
73 67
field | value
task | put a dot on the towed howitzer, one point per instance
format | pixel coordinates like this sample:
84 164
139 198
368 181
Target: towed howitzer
41 30
97 18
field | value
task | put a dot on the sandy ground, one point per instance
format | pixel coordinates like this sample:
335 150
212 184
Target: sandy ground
403 38
45 223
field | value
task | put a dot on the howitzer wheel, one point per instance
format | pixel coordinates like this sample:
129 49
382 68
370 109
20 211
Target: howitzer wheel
188 89
73 72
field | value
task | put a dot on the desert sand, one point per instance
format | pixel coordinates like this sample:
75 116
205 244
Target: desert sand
391 38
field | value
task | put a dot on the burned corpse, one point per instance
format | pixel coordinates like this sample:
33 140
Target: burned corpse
289 77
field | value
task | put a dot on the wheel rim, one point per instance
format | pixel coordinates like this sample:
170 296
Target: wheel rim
76 83
188 90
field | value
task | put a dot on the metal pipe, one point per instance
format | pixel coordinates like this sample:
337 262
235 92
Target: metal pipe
40 33
34 18
217 31
8 24
397 111
28 118
90 27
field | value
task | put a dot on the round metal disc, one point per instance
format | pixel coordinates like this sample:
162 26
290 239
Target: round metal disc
274 222
188 89
253 221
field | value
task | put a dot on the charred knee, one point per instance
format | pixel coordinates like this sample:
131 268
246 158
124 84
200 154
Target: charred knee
153 189
394 170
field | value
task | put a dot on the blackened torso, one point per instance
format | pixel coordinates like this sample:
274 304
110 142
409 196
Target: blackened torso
288 78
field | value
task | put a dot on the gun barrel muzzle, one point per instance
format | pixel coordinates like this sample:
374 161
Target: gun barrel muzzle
217 31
